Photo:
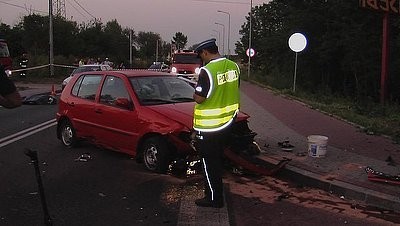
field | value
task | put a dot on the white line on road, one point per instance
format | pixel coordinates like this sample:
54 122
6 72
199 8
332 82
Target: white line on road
26 132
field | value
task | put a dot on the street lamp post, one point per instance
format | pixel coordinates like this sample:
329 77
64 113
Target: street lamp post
219 35
223 37
229 30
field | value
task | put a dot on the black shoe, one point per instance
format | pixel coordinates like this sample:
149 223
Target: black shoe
205 202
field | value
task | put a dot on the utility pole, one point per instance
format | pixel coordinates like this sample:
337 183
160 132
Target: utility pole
249 63
157 50
51 54
130 48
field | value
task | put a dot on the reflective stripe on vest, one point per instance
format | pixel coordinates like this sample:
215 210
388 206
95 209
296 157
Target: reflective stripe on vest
222 103
213 122
217 111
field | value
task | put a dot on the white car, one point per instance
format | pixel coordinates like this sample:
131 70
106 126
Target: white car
83 68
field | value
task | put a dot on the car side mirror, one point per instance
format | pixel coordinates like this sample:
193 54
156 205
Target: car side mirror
123 103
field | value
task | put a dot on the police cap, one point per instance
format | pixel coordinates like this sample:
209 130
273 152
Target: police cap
206 44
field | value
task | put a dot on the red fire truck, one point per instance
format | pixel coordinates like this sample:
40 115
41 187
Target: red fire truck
5 58
185 64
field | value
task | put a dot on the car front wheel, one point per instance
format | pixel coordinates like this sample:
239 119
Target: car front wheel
68 136
156 155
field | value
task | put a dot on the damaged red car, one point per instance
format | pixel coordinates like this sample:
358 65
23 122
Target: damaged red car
145 114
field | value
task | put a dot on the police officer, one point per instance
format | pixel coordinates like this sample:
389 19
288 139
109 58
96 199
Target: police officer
217 104
23 64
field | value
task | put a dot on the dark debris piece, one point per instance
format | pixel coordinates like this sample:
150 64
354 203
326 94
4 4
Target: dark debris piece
285 145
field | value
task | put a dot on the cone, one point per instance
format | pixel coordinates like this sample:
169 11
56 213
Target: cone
53 92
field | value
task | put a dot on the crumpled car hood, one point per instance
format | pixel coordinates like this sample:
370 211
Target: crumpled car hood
182 112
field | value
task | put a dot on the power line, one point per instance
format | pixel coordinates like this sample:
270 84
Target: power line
76 9
84 9
23 7
226 2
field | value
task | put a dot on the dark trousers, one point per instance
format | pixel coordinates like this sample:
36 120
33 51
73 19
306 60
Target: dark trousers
211 146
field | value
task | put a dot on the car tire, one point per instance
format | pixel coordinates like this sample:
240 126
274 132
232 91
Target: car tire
156 155
67 134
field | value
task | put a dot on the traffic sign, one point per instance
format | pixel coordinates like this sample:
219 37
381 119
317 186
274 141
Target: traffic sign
250 52
297 42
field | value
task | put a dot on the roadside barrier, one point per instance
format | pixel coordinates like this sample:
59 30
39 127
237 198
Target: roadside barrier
70 66
39 67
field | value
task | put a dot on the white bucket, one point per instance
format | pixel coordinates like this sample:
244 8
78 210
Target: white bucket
317 145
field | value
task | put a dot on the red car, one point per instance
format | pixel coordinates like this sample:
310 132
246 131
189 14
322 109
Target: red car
146 114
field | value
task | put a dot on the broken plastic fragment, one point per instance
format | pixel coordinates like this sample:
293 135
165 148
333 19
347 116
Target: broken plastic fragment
84 157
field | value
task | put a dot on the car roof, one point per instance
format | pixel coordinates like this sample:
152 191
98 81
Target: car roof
91 65
133 73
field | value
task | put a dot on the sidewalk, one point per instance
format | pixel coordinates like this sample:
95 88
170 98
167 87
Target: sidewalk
342 170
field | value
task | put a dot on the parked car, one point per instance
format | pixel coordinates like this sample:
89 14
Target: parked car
83 68
146 114
159 66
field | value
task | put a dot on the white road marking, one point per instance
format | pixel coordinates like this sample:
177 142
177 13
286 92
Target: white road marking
26 132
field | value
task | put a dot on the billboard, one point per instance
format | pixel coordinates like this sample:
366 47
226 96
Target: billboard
390 6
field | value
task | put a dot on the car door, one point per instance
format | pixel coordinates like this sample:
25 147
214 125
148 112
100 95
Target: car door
117 123
82 104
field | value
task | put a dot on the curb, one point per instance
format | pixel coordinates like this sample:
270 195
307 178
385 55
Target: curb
343 189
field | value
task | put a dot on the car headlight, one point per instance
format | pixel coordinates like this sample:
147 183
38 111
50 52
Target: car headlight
8 73
174 70
197 70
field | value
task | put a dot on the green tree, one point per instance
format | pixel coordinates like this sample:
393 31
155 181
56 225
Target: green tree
116 43
35 34
90 35
343 52
180 40
64 37
147 43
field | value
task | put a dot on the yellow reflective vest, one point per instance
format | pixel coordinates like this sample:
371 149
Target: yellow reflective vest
222 102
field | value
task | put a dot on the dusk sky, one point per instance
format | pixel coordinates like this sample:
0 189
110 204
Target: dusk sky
194 18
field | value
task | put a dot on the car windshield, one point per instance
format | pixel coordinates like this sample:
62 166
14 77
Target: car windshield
154 90
186 59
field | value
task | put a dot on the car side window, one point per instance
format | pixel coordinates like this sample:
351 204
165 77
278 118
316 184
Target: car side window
113 88
77 85
87 86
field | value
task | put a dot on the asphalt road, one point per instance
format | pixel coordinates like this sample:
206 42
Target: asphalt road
112 189
26 116
107 189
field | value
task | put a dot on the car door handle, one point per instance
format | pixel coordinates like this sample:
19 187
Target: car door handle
98 111
72 104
